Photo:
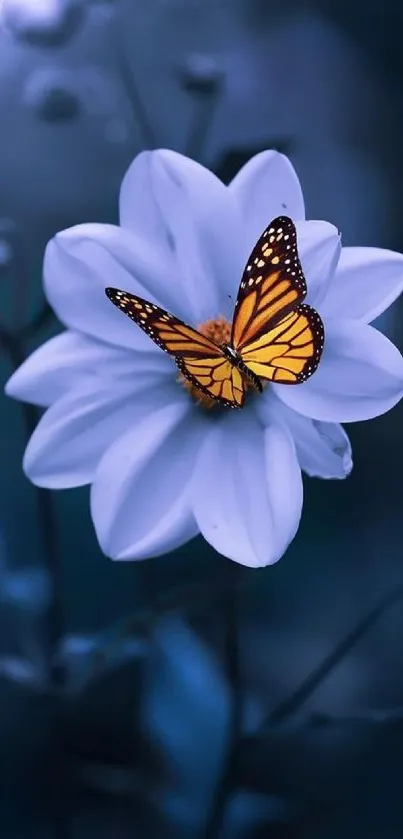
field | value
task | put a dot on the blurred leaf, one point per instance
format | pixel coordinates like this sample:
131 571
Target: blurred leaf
87 658
25 595
249 812
27 589
186 711
20 671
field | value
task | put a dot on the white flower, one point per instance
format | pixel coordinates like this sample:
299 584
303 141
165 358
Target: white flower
163 469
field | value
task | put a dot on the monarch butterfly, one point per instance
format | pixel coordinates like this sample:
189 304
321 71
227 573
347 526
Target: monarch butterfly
274 335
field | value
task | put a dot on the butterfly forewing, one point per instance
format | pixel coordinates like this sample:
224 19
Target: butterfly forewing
200 360
170 333
272 283
289 352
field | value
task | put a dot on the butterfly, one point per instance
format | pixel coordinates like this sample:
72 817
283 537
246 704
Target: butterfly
274 335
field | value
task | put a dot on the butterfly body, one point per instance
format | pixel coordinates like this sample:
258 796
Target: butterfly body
274 335
236 359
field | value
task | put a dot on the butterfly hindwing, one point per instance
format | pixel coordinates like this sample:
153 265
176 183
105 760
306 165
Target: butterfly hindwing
200 360
272 283
217 378
289 352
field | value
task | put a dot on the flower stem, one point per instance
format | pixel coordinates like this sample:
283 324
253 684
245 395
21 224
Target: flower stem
46 521
53 618
199 126
138 109
309 685
224 787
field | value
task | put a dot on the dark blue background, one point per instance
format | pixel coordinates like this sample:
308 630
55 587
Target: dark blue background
186 696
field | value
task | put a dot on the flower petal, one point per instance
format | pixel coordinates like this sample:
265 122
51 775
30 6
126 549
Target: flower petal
65 361
82 261
366 282
140 495
184 209
247 490
323 448
360 376
139 207
319 248
266 187
74 433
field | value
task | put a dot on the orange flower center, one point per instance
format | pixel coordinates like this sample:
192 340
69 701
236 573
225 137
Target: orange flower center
219 331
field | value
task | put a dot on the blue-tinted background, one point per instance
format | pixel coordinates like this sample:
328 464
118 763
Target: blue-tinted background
137 699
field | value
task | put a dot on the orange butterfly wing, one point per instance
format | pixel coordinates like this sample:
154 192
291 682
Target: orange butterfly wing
272 283
290 351
278 337
200 360
217 377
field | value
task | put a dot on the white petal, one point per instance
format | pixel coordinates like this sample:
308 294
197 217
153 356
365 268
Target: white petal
366 282
266 187
139 207
140 496
247 490
74 433
360 376
65 361
183 209
82 261
319 250
323 448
